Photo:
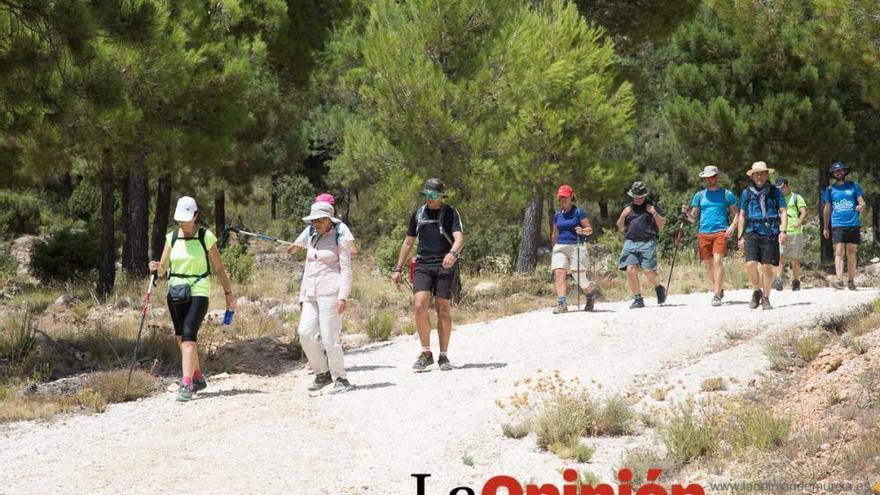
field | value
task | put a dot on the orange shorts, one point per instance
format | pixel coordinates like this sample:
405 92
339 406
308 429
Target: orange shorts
714 243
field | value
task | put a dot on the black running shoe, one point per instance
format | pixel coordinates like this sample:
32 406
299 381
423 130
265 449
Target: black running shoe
200 384
425 359
796 285
851 285
757 295
443 363
661 294
591 303
321 381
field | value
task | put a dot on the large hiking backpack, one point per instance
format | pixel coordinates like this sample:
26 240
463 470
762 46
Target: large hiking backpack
767 222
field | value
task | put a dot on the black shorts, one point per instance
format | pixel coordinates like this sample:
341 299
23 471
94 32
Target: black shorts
846 235
434 278
761 248
187 318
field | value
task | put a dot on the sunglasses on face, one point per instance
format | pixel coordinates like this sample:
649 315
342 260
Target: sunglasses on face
429 194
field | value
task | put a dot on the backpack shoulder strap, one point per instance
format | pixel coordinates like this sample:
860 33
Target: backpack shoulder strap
442 219
202 232
174 237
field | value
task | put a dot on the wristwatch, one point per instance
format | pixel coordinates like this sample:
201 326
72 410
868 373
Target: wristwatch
454 254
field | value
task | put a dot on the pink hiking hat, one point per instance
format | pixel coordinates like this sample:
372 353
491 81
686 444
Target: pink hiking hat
326 198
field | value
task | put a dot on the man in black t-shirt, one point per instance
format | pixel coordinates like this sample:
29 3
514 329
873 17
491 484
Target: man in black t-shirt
438 229
641 222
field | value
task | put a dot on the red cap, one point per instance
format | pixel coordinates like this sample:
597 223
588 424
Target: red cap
564 191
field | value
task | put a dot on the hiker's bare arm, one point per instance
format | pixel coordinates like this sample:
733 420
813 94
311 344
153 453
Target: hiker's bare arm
783 225
457 243
622 218
354 249
734 217
692 213
293 248
554 235
217 263
826 216
405 249
159 266
585 228
740 229
802 217
861 206
659 219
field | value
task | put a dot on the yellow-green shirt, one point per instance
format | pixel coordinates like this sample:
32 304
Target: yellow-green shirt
794 212
188 258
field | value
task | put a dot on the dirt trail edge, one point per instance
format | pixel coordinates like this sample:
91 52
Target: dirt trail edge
250 434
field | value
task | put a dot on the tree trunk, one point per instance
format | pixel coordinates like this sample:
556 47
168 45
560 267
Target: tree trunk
137 239
527 259
107 268
826 248
875 217
220 211
551 218
160 218
126 250
274 198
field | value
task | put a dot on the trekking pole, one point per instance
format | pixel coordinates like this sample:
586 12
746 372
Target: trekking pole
262 237
577 278
675 253
140 329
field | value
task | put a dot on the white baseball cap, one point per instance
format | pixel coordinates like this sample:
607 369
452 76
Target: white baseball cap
186 209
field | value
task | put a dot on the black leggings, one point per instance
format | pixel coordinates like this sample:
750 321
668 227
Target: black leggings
187 318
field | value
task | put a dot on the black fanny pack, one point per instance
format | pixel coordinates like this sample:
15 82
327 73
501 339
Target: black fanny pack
180 294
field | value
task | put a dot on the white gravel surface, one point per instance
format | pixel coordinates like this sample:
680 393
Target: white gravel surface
250 434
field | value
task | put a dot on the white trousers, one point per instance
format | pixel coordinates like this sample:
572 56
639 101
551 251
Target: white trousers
319 327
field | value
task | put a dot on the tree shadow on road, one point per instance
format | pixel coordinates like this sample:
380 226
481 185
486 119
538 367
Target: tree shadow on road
371 386
362 350
804 303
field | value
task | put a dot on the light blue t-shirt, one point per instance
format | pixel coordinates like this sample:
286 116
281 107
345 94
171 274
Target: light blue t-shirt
844 198
713 207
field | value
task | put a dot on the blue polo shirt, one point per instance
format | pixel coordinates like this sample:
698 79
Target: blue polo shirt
844 198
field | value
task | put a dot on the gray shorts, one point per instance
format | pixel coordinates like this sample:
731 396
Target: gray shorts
642 253
793 247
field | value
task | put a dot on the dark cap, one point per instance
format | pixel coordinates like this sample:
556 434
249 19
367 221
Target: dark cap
638 189
781 180
435 185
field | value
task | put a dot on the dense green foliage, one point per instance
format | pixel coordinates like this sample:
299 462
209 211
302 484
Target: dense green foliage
367 98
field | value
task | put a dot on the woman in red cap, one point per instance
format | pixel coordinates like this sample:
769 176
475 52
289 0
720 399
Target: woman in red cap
569 224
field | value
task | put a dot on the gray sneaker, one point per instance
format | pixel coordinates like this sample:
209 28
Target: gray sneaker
321 381
837 284
185 393
765 303
637 303
716 301
443 363
591 303
342 385
777 284
851 285
421 365
757 295
560 308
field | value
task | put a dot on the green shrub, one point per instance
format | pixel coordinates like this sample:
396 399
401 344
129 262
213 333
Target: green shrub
68 254
379 326
688 437
758 428
238 262
19 213
8 264
16 340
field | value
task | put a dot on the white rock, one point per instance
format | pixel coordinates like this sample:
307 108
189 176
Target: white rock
487 287
65 299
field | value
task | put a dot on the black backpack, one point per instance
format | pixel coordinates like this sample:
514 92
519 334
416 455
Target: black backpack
422 219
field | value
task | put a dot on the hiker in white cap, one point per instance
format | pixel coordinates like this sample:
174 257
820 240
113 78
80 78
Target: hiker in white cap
716 208
325 288
762 225
192 252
